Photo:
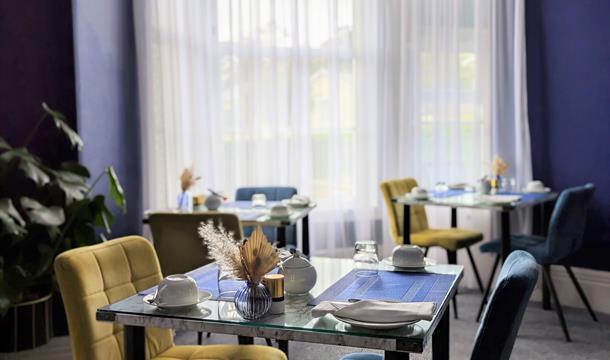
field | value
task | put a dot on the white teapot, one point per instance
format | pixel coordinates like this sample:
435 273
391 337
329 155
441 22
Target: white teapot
299 275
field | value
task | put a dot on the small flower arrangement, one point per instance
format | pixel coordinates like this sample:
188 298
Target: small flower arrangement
498 166
187 179
248 261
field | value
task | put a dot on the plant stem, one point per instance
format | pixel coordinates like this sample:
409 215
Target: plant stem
30 137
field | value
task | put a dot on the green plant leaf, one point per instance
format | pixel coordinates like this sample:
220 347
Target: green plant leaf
75 168
4 145
43 215
28 163
12 222
101 215
115 190
62 125
74 186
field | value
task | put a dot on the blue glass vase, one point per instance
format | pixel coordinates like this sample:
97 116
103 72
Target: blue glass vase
252 301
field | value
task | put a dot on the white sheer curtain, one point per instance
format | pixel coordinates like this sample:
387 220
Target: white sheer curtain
330 96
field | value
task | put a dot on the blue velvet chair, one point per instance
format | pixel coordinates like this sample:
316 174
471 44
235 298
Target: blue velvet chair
498 330
565 235
273 193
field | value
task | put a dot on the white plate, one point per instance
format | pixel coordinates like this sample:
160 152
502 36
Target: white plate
295 204
418 197
544 191
150 300
427 261
375 326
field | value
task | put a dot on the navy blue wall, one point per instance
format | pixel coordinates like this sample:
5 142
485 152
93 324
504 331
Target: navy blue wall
106 98
568 45
36 65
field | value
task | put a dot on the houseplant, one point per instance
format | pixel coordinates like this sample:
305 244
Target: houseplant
44 210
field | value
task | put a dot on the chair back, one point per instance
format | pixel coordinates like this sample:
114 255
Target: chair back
502 318
272 193
399 187
94 276
177 241
567 225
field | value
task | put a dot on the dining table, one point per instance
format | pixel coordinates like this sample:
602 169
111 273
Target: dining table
437 283
250 215
459 198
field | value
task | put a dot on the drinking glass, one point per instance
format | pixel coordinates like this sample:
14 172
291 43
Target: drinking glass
366 258
227 286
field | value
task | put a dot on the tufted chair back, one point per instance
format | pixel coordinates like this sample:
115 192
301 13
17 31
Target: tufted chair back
399 187
94 276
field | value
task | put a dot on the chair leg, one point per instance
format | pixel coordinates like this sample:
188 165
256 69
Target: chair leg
562 320
581 293
452 259
426 251
199 338
488 289
476 271
268 342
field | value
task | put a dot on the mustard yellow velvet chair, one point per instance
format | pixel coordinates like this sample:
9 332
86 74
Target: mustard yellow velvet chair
451 239
93 276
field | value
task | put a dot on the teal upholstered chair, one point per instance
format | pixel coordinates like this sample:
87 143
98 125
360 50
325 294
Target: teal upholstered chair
498 330
565 235
273 193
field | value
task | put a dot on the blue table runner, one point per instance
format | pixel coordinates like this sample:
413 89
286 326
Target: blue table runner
390 286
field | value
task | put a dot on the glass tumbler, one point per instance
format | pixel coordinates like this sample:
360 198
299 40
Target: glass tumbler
366 259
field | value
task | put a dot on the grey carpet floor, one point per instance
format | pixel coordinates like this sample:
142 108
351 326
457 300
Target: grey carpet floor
540 337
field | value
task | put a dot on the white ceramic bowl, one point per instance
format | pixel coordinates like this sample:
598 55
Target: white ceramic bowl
535 186
408 256
279 210
177 290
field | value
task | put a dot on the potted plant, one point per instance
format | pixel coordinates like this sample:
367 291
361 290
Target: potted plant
44 210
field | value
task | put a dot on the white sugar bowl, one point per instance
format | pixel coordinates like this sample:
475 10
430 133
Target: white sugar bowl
299 275
177 290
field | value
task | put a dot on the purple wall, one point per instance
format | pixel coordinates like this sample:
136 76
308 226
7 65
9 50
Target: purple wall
36 65
568 45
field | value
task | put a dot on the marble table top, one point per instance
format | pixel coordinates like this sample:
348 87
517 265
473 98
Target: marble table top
295 324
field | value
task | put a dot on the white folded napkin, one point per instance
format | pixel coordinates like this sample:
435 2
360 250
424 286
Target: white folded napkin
376 311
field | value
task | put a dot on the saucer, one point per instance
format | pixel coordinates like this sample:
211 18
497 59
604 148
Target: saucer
150 300
427 262
542 191
295 204
375 326
418 197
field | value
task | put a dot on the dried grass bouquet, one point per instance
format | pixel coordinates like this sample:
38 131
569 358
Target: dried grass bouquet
188 179
498 166
249 260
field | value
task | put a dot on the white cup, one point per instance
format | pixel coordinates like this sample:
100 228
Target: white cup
279 210
408 256
259 200
177 290
535 186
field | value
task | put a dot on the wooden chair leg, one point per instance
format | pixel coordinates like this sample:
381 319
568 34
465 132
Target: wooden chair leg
452 259
426 250
581 293
488 289
562 320
474 268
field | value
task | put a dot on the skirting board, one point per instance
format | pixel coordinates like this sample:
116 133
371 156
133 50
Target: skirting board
595 284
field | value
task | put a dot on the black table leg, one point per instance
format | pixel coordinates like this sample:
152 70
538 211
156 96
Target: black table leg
283 345
281 237
406 224
305 225
245 340
134 343
505 223
453 217
395 355
440 338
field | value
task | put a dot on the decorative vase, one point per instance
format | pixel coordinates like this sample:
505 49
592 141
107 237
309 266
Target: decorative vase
213 202
27 325
495 183
252 301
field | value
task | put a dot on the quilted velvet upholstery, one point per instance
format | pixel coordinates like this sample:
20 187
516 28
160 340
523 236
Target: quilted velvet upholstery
177 243
94 276
273 193
565 231
421 235
500 323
